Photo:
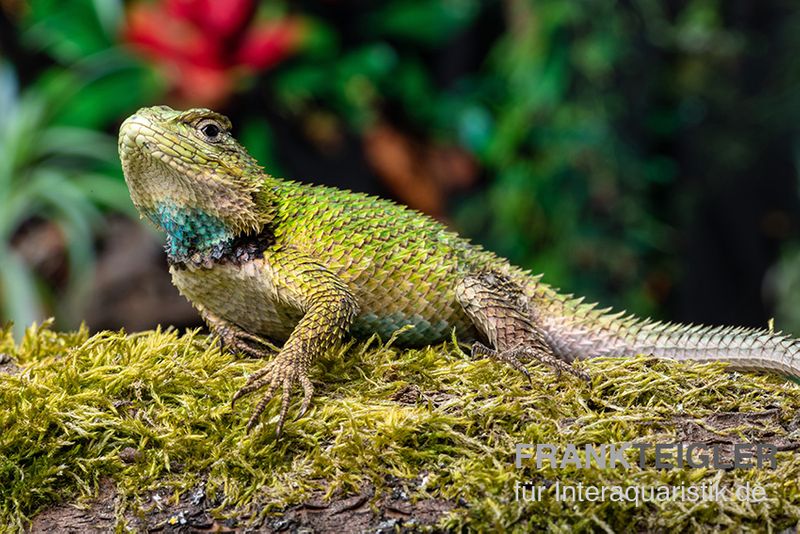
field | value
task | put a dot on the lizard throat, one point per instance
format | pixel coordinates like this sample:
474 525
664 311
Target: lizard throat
197 239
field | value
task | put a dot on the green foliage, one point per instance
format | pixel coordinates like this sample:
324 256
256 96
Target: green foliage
50 174
58 167
428 22
103 83
71 31
79 400
783 284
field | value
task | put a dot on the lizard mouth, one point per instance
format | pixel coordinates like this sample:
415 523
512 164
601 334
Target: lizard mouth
152 166
130 129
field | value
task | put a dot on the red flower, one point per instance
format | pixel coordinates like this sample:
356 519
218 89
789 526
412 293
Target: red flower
205 47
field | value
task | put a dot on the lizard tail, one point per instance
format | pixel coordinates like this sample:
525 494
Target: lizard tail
578 331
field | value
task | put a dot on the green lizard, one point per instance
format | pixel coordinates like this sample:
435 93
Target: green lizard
264 259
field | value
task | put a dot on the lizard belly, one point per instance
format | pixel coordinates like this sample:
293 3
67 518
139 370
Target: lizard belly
241 294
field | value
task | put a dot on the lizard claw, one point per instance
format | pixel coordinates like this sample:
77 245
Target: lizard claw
261 406
252 384
235 398
527 375
308 392
509 357
245 347
583 375
235 339
281 373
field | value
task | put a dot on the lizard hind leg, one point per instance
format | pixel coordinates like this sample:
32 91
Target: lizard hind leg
501 312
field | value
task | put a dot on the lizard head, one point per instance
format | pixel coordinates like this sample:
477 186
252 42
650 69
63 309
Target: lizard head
186 166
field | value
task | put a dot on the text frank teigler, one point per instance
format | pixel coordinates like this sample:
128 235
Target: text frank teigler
662 456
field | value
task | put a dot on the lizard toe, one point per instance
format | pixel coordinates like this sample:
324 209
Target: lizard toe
262 404
308 393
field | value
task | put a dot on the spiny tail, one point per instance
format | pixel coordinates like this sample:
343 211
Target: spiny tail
578 331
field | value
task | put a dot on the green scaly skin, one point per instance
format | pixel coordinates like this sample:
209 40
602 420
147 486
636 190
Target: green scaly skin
264 259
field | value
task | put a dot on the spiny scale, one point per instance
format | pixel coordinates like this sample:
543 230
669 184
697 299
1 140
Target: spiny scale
584 333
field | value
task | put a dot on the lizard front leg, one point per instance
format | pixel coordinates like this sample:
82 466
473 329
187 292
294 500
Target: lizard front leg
328 308
501 311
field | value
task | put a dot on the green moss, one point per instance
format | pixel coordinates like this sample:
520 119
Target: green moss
79 400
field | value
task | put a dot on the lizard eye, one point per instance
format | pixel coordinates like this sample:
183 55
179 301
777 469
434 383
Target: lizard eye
210 130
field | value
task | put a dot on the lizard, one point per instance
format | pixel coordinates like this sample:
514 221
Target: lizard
266 260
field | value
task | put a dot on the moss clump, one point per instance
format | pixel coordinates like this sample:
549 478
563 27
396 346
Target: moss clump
79 404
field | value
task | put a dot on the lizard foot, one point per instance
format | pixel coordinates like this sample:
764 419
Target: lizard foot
248 345
231 337
515 355
280 373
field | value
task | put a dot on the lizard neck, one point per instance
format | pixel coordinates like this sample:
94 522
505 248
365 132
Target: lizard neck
196 239
192 234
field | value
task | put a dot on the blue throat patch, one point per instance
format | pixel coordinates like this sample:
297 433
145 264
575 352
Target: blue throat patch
191 231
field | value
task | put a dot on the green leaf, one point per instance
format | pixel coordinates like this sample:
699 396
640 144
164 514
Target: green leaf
75 142
69 30
18 295
106 191
426 22
259 139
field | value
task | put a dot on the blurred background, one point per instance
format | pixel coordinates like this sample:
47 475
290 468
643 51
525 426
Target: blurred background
643 153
